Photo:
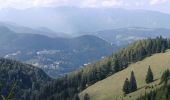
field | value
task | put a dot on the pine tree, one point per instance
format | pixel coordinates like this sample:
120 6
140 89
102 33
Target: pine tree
149 76
116 65
133 85
126 86
76 97
165 76
86 97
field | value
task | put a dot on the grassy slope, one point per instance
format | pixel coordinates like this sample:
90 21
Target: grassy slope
111 87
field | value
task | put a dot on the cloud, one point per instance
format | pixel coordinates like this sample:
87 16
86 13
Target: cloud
22 4
110 3
44 3
139 3
31 3
100 3
157 2
50 2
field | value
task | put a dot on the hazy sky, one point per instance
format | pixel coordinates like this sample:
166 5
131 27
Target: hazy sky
159 5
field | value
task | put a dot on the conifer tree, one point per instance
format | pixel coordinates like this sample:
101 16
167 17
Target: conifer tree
126 86
165 76
116 65
76 97
133 85
86 97
149 76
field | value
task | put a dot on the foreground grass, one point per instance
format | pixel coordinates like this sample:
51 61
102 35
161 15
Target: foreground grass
111 87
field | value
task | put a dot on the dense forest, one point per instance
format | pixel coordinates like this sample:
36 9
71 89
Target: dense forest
67 88
38 86
18 80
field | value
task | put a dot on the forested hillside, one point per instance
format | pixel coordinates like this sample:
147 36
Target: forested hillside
20 81
56 56
84 49
68 87
147 73
31 83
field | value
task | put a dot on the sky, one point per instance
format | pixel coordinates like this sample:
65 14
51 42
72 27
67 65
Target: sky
157 5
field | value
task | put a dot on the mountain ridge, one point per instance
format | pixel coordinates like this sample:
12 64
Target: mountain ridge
87 20
62 55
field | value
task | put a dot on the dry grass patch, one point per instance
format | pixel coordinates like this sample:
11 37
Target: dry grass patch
111 87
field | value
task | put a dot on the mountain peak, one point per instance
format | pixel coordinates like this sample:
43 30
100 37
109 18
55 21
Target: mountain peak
4 30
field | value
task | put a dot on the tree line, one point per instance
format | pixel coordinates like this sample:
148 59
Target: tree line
67 87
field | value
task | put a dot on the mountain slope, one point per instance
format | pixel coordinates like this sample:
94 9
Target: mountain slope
76 20
111 87
87 76
56 56
27 30
124 36
18 81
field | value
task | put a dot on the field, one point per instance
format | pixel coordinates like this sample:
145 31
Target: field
111 87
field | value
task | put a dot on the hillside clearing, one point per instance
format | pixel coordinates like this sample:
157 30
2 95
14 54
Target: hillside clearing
111 87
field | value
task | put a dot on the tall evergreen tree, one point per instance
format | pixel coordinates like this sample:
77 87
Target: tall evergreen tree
86 97
116 65
165 76
126 86
149 76
133 85
76 97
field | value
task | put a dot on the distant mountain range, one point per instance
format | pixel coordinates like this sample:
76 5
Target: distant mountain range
124 36
81 20
60 40
56 56
27 30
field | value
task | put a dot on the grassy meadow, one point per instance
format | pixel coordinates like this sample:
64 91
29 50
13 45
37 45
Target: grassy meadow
111 87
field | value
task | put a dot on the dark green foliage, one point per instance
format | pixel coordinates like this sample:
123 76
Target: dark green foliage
116 65
149 76
66 88
76 97
149 96
163 93
126 88
165 76
130 86
86 97
133 84
35 86
19 81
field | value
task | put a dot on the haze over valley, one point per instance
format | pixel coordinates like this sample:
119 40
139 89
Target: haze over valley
84 50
